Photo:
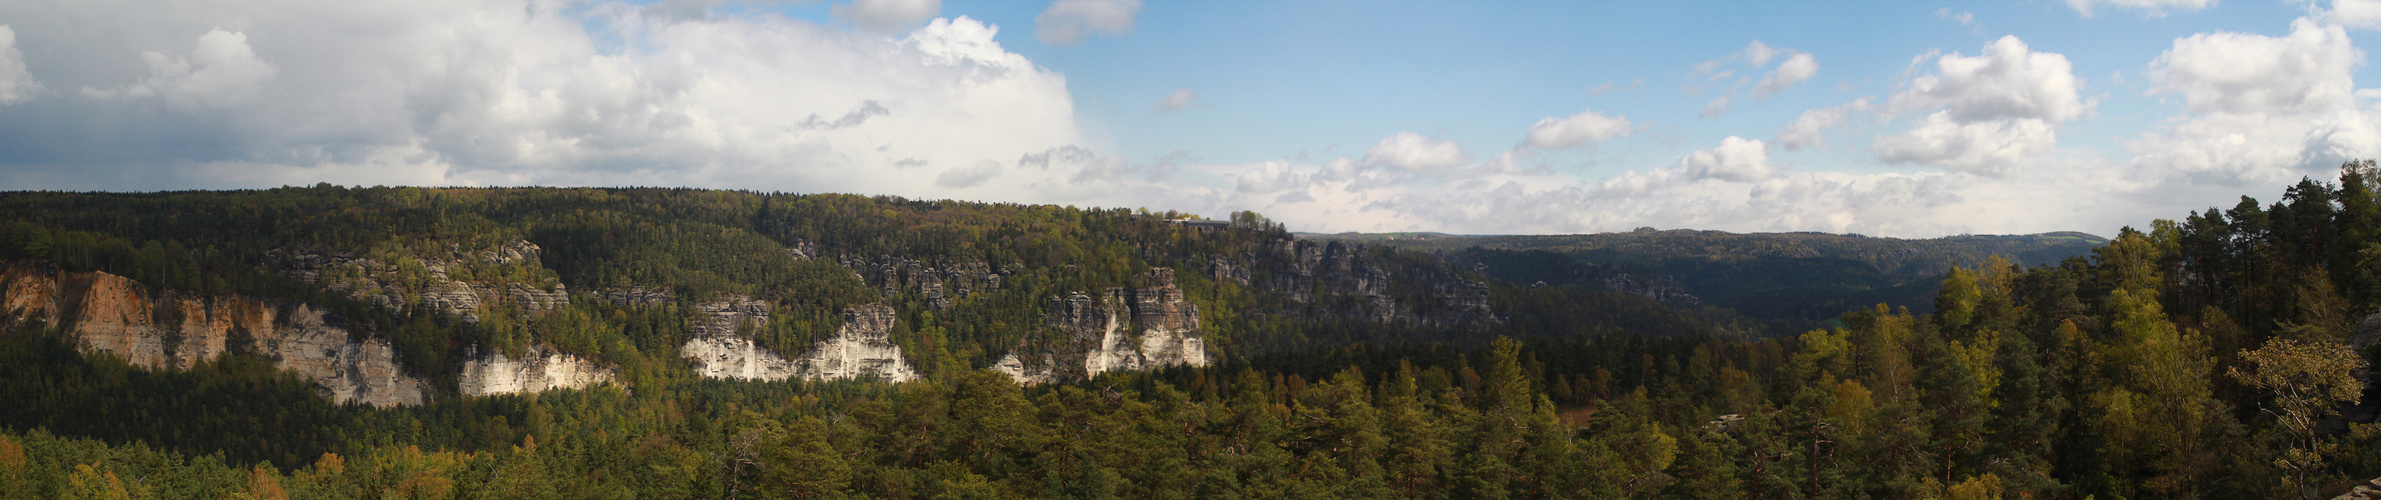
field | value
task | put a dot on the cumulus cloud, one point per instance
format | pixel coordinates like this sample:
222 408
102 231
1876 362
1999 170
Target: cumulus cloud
222 71
1415 153
1810 129
2359 14
16 84
547 94
2239 73
1795 70
2148 8
1585 127
1066 22
1985 114
1987 147
2259 109
887 15
2009 80
1179 100
1735 159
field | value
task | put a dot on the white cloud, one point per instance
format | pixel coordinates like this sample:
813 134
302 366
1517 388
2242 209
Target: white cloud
1985 114
1735 159
1585 127
2148 8
1987 147
2009 80
1810 129
887 15
1798 67
2239 73
222 71
2359 14
1177 101
2259 110
1066 22
16 84
1717 106
1415 153
968 176
547 94
1795 70
1758 54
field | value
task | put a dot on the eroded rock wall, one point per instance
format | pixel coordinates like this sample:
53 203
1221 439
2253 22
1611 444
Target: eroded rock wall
1152 326
721 346
430 286
108 313
538 370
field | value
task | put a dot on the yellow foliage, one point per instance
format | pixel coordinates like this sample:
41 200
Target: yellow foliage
88 482
264 484
1977 356
1984 487
1852 407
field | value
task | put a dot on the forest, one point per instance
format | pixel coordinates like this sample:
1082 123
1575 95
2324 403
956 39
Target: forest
2223 354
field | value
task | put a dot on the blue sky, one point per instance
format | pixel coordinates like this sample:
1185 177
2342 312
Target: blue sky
1910 119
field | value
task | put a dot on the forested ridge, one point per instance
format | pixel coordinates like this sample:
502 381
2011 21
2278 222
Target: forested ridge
2220 355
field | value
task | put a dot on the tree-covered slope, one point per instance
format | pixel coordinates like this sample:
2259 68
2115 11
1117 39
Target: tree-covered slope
1799 279
2219 356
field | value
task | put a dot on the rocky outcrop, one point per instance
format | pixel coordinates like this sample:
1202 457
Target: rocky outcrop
1016 368
426 283
862 347
1331 280
721 346
940 283
635 296
1660 287
719 341
168 330
540 369
1122 329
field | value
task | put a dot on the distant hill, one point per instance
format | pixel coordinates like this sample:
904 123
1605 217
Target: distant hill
1804 277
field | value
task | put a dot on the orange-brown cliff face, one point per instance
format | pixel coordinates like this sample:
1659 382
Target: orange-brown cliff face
109 313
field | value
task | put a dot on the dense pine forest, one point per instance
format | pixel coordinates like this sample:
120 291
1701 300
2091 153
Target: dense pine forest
2220 355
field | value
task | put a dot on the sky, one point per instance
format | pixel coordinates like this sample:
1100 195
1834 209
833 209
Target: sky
1903 118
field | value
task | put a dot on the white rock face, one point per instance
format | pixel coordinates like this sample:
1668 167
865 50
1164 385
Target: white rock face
1016 369
862 347
543 369
735 358
1100 329
1158 348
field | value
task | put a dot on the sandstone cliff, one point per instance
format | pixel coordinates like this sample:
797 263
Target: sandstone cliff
541 369
1140 328
166 330
721 346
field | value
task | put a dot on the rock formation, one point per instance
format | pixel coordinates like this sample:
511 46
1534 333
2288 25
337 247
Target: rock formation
721 346
429 284
940 283
1140 328
108 313
540 369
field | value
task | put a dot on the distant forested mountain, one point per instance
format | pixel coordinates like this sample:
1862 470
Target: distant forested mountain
386 343
1799 279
